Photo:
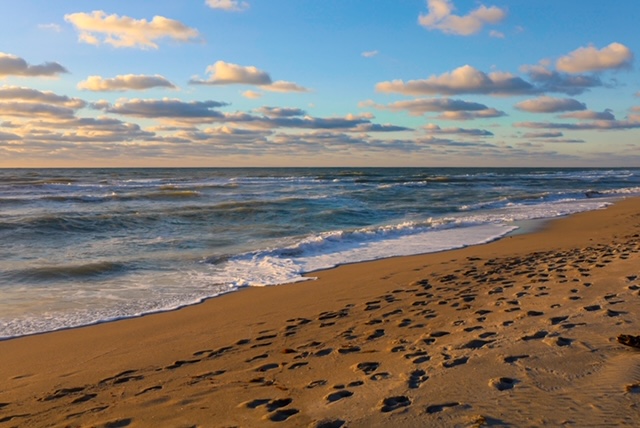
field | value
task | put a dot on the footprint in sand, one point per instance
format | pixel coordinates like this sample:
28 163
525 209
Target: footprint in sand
455 362
367 367
502 383
417 378
393 403
514 358
440 407
339 395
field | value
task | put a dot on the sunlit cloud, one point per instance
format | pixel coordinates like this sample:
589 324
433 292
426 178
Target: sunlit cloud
420 106
602 125
369 54
253 95
281 111
548 80
585 59
462 80
550 105
441 17
284 86
11 65
589 115
165 108
97 27
225 73
136 82
18 93
228 5
434 129
496 34
471 115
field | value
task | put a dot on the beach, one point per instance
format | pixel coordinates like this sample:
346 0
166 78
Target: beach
517 332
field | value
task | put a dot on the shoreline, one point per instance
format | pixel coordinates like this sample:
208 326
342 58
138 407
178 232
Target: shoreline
200 362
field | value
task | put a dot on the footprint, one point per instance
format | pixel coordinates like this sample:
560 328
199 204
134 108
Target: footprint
476 344
380 376
392 403
558 320
376 334
276 404
316 383
502 383
456 362
336 423
283 415
267 367
349 350
368 367
417 378
297 365
537 335
514 358
440 407
339 395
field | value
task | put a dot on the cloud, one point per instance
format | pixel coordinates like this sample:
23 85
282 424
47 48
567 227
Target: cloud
137 82
590 115
553 81
126 32
165 108
441 17
585 59
230 5
281 112
470 115
550 105
11 65
432 128
283 86
226 73
496 34
50 27
370 54
602 125
252 95
462 80
14 93
7 136
543 134
32 110
420 106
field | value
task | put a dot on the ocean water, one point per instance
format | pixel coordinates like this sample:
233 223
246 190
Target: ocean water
81 246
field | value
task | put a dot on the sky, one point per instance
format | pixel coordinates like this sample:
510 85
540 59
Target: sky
225 83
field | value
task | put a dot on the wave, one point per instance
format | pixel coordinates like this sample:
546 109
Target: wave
66 272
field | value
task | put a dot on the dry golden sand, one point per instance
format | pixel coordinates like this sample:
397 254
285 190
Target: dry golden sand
519 332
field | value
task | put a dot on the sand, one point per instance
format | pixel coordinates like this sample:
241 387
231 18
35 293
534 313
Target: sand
518 332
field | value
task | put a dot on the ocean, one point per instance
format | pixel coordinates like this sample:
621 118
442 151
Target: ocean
82 246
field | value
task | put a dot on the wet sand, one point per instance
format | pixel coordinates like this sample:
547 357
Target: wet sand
518 332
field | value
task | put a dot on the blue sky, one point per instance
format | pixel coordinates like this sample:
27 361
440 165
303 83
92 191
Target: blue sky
309 83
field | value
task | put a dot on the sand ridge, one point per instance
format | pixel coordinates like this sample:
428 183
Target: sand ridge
485 336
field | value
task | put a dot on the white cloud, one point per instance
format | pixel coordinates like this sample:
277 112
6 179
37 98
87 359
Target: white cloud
470 115
550 105
126 32
432 128
124 83
11 65
283 86
253 95
589 58
370 54
18 93
165 108
496 34
226 73
50 27
230 5
441 17
465 79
